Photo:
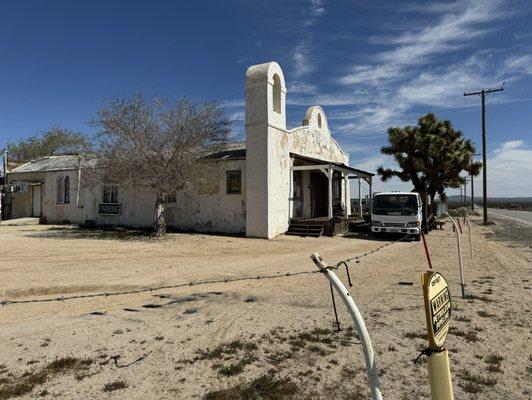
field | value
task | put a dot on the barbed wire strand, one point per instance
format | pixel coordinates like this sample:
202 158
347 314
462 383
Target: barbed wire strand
336 266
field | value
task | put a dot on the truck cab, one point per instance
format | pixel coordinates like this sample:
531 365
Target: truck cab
397 212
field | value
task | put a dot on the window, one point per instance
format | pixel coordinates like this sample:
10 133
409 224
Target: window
110 194
234 182
171 198
319 120
66 191
60 190
277 94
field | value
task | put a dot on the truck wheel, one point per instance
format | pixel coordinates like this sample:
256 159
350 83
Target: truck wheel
417 237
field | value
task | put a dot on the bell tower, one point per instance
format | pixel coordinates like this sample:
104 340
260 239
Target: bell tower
267 154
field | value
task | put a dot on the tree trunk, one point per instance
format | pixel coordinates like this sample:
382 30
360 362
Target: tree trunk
160 223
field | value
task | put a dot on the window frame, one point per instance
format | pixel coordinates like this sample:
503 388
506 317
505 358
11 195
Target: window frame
110 194
59 190
171 198
228 176
66 190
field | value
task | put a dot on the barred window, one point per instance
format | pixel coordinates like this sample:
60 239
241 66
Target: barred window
234 182
171 198
110 194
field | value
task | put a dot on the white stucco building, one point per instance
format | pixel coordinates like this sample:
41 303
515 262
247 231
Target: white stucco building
277 178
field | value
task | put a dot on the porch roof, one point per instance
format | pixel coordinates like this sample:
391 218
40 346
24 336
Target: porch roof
317 164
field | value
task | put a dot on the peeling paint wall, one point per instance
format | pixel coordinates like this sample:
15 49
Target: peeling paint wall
268 148
210 209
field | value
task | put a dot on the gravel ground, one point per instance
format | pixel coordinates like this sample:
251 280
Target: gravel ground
243 340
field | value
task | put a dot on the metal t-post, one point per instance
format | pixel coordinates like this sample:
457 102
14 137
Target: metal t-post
360 326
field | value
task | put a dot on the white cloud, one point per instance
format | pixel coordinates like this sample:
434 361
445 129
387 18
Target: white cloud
404 75
438 7
234 103
373 120
302 87
371 164
510 170
300 58
417 47
519 64
238 116
367 74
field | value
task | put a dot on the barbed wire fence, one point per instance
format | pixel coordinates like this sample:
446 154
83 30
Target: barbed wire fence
326 270
345 263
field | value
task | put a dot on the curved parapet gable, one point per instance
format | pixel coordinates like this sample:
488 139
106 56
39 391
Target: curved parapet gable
314 140
316 119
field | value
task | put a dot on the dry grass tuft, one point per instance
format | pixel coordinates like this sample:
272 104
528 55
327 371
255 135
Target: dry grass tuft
116 385
20 386
264 387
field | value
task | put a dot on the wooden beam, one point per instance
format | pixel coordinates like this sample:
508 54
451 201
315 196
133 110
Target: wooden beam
307 167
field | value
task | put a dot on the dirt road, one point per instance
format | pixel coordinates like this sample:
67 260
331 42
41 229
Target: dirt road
275 336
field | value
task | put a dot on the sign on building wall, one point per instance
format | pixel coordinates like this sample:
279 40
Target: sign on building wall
437 308
109 208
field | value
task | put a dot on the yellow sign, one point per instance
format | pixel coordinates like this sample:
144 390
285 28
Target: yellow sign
437 308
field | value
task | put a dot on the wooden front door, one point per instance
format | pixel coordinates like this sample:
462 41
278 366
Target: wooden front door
318 194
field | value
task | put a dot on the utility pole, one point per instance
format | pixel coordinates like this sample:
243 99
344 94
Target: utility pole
483 93
473 185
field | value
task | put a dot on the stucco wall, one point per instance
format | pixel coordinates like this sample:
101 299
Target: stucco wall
21 203
211 208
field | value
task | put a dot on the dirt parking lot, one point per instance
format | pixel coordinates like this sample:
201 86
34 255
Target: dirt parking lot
243 340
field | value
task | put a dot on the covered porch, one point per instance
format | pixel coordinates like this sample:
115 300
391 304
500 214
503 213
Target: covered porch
320 193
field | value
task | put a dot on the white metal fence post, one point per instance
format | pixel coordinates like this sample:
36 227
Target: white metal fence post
360 326
457 235
470 233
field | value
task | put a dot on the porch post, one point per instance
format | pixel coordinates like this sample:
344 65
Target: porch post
359 199
291 191
329 177
347 195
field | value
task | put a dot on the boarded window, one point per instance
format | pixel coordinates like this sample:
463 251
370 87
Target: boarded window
234 182
110 194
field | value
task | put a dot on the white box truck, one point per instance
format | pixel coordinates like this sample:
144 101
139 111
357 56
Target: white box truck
397 212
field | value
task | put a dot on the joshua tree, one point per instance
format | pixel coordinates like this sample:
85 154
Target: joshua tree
159 146
431 154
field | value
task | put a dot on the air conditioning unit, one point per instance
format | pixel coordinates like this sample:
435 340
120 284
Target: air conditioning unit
20 187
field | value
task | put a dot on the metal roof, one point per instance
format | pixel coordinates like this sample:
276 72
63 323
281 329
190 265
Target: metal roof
55 163
234 151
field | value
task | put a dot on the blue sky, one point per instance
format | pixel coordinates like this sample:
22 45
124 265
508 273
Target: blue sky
370 65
